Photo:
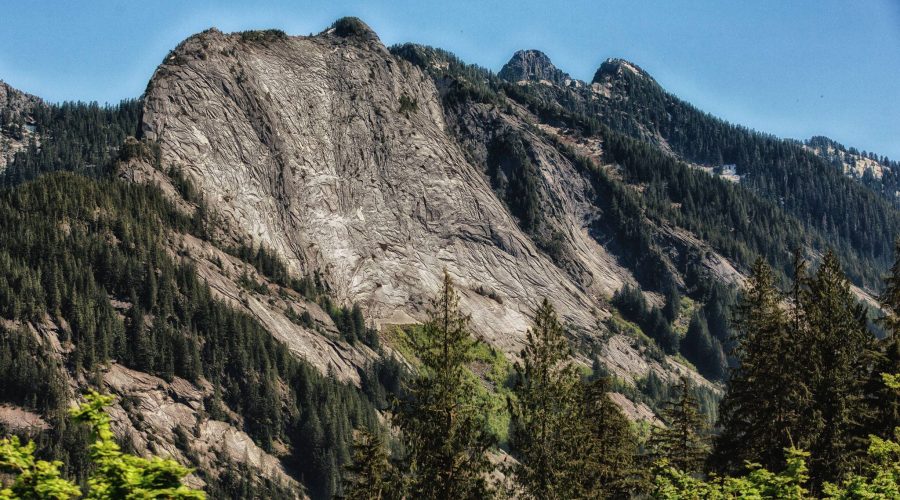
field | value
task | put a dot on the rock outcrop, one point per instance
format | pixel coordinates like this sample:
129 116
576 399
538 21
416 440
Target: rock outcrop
16 128
534 66
335 154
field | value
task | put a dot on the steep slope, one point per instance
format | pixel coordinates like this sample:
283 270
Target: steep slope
879 173
16 122
833 208
334 154
533 65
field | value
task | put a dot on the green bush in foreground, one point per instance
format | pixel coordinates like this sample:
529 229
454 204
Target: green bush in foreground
116 475
880 480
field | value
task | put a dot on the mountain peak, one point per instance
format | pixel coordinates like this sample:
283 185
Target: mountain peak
353 27
532 65
614 68
15 100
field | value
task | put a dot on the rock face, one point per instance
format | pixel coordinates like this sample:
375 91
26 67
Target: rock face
614 67
532 65
15 126
335 154
14 101
168 419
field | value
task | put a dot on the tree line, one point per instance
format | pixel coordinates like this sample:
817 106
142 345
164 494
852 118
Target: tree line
807 412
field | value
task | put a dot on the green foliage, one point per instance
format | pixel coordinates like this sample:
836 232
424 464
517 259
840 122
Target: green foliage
351 27
879 479
570 439
119 475
702 349
75 244
408 105
630 301
264 37
33 478
443 424
74 136
115 474
802 375
544 411
370 475
683 441
672 484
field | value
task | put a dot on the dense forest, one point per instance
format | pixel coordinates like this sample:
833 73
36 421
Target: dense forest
76 242
788 196
809 412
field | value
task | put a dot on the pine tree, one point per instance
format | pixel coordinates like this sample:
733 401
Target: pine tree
702 349
673 302
370 475
683 440
766 392
609 457
545 411
882 402
836 340
443 424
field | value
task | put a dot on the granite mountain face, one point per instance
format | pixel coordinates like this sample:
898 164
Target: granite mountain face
333 180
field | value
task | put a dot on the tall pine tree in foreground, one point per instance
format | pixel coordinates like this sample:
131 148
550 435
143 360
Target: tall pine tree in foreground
762 405
835 342
683 440
882 403
611 445
570 439
444 425
804 364
544 414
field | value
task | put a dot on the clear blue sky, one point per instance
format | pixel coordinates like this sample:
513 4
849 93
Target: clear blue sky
792 68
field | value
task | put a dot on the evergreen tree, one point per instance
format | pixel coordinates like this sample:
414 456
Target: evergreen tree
611 449
765 394
370 474
882 402
835 340
444 425
683 440
545 411
673 302
702 349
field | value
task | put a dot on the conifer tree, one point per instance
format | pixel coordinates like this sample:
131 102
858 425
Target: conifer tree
836 340
370 475
882 402
765 392
611 445
683 440
545 411
443 424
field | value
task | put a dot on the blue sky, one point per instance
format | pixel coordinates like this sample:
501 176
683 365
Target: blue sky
795 69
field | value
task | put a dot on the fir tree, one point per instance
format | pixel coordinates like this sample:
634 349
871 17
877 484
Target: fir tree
611 445
882 402
545 411
443 424
683 440
765 393
370 474
836 340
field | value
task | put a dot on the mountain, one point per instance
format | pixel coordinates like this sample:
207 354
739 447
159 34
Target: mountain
242 254
16 128
879 173
533 66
